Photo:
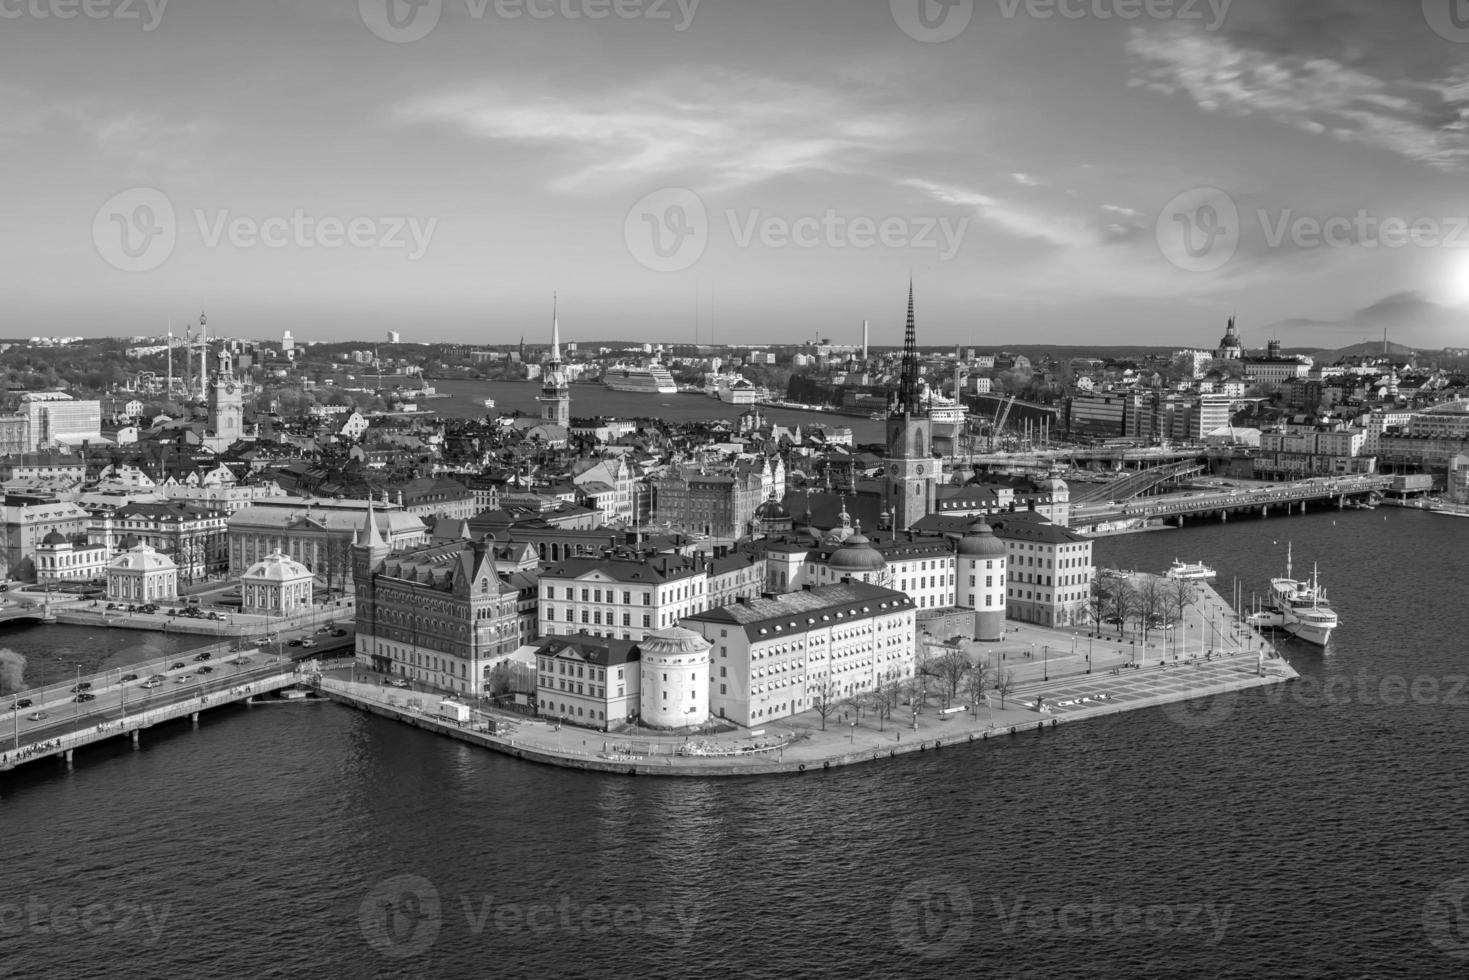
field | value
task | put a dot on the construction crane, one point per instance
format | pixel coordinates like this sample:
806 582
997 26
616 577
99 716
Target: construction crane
1002 414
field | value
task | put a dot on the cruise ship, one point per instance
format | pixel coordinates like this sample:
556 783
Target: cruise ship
1189 571
653 379
1302 607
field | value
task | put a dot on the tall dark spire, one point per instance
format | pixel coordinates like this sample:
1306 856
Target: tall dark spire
907 401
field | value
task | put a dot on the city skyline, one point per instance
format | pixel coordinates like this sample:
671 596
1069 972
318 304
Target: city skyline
728 173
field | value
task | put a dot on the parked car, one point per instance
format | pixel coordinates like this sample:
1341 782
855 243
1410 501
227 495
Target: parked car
308 643
323 630
294 643
22 703
339 632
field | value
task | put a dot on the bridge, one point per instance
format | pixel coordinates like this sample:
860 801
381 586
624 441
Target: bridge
1115 457
1132 485
1283 497
55 725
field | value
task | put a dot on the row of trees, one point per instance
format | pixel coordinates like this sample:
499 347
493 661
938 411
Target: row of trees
945 676
1151 604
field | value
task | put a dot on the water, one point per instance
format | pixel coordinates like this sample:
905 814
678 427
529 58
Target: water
587 400
1296 832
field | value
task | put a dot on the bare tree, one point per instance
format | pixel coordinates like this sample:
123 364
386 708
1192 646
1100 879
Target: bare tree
916 691
1125 604
1004 684
854 703
885 699
1181 594
950 667
824 700
1151 603
976 680
1099 602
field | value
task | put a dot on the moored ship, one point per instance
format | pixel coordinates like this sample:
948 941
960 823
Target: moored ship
1189 571
653 379
1302 606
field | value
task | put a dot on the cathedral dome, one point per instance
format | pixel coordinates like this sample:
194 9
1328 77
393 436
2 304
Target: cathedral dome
772 510
857 555
979 541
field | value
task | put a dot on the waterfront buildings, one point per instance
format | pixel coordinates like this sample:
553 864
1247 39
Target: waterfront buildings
442 614
318 532
593 681
624 597
60 558
773 658
27 521
193 535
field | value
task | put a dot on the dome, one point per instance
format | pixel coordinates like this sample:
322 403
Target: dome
674 640
857 555
772 510
140 558
278 567
55 537
979 541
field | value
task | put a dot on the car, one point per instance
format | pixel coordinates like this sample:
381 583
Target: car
339 632
181 680
206 669
323 630
151 683
294 643
84 696
129 677
38 716
308 643
178 666
83 686
203 657
22 703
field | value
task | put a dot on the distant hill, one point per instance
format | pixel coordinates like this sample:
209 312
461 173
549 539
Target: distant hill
1367 348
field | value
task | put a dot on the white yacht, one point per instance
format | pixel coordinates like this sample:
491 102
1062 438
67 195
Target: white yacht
1189 571
653 379
1304 611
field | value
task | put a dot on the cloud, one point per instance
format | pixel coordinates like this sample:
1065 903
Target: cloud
724 130
1025 180
1425 121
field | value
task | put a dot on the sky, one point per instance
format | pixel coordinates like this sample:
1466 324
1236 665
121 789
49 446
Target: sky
738 171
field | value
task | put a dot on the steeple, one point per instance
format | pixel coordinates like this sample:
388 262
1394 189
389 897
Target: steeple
907 396
367 535
555 359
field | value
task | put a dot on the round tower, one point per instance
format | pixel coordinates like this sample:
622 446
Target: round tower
981 580
675 678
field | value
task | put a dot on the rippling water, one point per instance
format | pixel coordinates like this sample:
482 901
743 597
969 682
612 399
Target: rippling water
1299 832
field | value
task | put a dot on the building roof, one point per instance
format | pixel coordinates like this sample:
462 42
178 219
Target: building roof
657 569
140 558
277 567
856 555
798 612
674 640
980 541
601 651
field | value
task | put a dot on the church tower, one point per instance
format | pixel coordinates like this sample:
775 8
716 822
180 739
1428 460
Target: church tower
911 471
555 396
226 404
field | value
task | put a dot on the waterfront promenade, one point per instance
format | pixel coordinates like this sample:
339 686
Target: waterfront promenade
1057 677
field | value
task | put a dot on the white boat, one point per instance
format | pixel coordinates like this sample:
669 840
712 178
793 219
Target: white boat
488 403
1189 571
1302 606
651 379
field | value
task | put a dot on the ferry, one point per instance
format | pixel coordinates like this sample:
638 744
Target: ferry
653 379
488 403
1189 571
1302 606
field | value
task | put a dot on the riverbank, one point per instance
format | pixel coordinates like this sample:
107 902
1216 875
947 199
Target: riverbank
1055 676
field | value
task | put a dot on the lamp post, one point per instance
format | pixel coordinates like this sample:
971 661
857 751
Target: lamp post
1046 662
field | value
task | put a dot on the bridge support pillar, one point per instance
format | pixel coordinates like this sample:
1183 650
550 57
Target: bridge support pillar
1179 520
68 757
1224 517
1265 510
1341 502
195 719
136 737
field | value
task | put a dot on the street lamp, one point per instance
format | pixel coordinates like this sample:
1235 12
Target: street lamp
1046 662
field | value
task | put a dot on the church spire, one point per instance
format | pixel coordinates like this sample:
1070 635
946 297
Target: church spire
907 399
367 535
555 330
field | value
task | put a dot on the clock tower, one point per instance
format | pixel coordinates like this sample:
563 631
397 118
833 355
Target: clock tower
555 395
910 471
226 404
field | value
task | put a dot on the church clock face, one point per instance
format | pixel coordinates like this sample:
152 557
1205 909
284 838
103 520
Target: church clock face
895 470
229 389
919 470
